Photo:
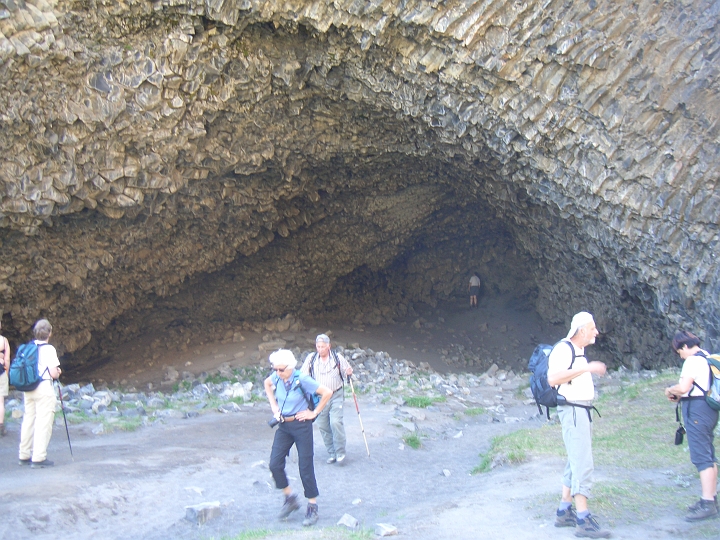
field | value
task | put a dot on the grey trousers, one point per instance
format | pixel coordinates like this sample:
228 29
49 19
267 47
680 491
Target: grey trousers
577 435
331 426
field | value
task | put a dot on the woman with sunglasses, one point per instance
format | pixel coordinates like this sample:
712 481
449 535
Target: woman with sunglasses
286 390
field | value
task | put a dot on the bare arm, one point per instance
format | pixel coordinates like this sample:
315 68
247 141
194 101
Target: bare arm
674 392
270 393
567 375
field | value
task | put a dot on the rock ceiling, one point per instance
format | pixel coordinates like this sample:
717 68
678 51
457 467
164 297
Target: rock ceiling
237 160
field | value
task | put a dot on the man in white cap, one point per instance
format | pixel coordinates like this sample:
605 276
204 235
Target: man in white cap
569 370
330 369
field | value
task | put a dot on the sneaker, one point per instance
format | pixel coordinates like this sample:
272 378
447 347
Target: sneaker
703 510
24 461
340 458
331 460
590 528
311 516
695 506
566 518
41 464
289 506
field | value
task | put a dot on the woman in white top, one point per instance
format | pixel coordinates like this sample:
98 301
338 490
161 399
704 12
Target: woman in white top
700 420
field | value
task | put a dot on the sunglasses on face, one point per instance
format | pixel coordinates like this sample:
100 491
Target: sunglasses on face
280 369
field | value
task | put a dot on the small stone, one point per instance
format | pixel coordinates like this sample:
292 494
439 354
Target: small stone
446 472
357 501
201 513
385 529
458 435
348 521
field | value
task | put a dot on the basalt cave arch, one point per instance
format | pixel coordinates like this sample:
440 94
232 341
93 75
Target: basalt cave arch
237 160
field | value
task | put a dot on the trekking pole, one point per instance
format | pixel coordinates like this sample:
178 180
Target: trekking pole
359 417
62 408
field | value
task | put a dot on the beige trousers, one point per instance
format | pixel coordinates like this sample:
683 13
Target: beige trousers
37 422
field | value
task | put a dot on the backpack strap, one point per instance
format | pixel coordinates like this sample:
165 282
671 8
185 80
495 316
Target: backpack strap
337 365
710 376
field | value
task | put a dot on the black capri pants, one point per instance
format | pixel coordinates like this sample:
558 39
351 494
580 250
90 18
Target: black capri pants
301 435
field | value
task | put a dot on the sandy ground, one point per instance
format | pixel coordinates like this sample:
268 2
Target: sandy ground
138 484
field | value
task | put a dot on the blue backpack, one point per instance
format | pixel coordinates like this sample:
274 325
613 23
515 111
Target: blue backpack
712 396
23 372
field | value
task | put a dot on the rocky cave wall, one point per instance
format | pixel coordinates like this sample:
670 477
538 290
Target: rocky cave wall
178 162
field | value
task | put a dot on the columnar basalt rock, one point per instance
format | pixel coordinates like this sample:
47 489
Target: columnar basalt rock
239 159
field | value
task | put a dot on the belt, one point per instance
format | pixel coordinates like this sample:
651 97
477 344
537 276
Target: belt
336 391
288 418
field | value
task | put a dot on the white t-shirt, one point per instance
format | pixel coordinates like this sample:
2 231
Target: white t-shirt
581 388
696 368
47 358
474 281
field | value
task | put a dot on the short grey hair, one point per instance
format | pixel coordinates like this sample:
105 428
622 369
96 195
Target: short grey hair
42 329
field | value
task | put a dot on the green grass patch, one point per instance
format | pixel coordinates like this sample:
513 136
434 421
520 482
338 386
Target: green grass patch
422 402
412 440
637 427
475 411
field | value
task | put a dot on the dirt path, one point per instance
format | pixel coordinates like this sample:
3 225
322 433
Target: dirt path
137 485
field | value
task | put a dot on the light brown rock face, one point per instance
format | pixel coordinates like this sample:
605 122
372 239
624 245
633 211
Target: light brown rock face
187 162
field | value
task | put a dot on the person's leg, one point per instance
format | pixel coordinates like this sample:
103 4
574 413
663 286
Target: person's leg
4 389
701 422
44 418
27 430
708 482
304 443
337 425
282 443
323 424
577 435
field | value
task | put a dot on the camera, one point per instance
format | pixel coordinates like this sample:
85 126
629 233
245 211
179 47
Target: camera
679 435
273 422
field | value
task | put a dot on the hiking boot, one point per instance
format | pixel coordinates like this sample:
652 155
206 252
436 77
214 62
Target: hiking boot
696 505
590 528
566 518
703 510
331 460
24 461
311 516
41 464
289 507
340 458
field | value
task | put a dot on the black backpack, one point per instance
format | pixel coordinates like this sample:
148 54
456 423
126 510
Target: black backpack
545 395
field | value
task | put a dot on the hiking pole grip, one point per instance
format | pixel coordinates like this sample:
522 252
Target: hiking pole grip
357 408
67 431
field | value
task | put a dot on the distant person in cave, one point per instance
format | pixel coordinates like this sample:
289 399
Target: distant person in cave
474 290
40 403
700 420
4 386
569 370
330 369
285 390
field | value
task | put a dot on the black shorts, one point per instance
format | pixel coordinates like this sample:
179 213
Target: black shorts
474 291
700 422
